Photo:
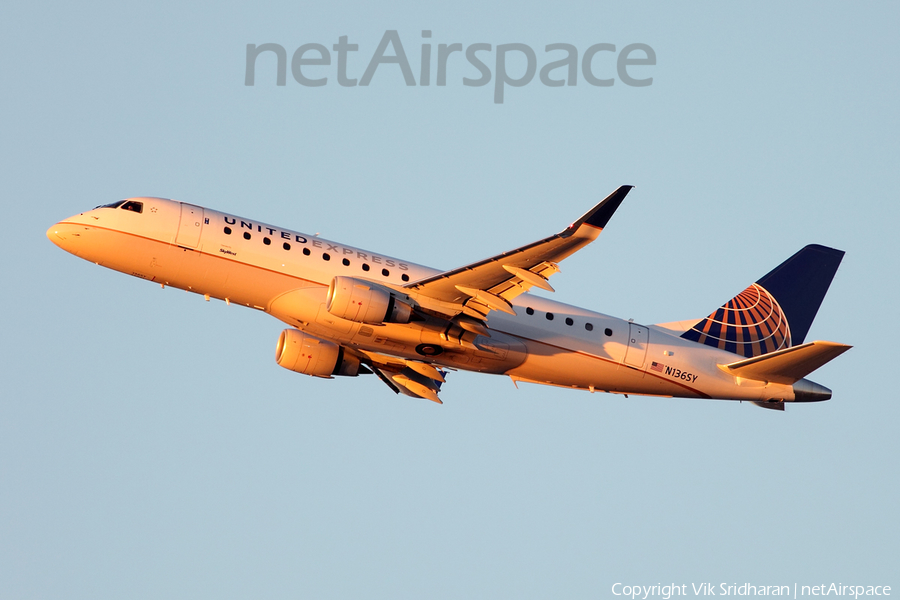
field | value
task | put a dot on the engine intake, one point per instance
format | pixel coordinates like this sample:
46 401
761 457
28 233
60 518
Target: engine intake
307 354
365 302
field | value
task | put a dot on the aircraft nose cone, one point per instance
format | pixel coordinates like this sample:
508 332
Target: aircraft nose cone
66 235
56 235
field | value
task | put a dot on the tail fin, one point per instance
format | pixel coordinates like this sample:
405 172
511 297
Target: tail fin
776 311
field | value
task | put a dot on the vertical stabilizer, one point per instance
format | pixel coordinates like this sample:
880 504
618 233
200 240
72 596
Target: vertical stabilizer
775 312
800 284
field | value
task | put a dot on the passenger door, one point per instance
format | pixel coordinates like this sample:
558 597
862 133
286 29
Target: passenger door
190 226
638 336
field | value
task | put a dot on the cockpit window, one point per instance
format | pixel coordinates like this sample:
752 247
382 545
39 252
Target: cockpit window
133 206
113 205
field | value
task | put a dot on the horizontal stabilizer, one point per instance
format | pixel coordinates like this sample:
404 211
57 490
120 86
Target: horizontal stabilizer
788 365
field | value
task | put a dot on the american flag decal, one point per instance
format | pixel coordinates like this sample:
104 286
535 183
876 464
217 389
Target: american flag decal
657 367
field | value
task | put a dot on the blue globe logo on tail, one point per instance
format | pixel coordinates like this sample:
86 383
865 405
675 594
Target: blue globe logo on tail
750 324
775 312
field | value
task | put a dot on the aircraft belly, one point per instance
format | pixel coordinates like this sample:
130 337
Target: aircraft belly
221 278
241 283
496 354
595 370
130 254
182 268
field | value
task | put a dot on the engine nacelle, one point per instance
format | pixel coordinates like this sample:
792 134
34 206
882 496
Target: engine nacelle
365 302
307 354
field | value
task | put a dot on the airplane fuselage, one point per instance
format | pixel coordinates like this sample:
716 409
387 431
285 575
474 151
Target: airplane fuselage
288 273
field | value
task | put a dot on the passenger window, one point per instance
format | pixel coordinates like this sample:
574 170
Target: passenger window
365 266
404 277
608 331
228 231
569 321
588 326
267 241
529 311
246 236
286 246
326 256
549 316
346 262
133 206
306 251
385 272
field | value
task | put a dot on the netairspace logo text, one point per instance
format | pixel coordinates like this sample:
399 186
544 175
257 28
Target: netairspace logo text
747 589
312 66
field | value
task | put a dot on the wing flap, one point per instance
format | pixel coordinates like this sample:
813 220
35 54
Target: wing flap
408 377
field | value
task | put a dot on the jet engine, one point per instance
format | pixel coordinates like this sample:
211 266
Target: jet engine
303 353
366 302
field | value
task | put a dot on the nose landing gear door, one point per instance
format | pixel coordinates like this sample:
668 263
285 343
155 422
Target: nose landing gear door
190 226
638 337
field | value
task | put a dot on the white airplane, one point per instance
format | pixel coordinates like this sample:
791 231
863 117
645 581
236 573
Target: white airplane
356 312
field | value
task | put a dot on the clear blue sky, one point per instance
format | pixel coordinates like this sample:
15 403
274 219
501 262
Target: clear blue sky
150 447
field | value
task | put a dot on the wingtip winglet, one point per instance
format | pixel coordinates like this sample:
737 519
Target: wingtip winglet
600 215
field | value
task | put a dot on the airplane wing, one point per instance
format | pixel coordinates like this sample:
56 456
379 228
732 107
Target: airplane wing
490 284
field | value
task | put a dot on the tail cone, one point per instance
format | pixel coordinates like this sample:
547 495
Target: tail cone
810 391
